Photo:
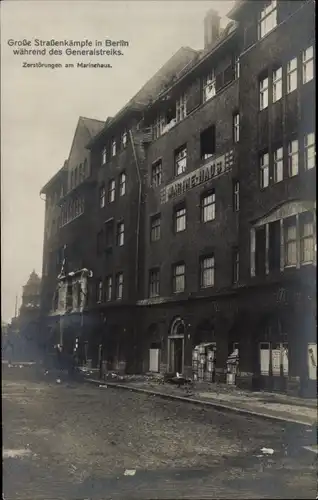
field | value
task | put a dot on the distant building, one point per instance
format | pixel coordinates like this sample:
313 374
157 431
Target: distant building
198 237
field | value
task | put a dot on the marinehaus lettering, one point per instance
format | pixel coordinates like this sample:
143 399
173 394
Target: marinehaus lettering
203 174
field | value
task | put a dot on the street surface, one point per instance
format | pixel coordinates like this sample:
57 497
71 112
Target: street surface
71 440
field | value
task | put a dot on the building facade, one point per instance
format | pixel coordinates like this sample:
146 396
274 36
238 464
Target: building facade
201 231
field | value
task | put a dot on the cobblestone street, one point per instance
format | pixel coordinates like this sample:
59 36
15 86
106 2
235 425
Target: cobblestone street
77 441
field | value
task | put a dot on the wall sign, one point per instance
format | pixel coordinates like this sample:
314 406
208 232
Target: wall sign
216 167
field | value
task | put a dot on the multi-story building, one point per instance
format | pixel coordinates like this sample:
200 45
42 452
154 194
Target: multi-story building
68 244
201 228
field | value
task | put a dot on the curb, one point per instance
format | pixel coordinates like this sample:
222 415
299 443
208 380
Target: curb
210 404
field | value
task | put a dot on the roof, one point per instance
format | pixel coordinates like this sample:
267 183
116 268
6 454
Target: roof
55 177
93 126
163 77
34 279
235 12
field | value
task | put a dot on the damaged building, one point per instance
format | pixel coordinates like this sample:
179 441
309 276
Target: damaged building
194 236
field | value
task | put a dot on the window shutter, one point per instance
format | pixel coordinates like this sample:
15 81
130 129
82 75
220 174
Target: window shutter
194 96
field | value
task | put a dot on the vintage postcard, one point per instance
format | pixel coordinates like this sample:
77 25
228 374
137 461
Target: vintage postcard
159 315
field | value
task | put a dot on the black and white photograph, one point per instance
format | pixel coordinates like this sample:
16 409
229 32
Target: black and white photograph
158 293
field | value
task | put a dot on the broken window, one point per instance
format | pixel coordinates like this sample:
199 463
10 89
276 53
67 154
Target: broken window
156 173
209 86
181 108
274 246
207 142
260 251
180 160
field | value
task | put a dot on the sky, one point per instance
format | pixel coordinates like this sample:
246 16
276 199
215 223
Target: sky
40 107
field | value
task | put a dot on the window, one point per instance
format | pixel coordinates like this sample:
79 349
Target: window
102 196
264 171
154 281
292 75
100 236
278 165
236 196
207 272
81 173
236 127
209 86
277 84
156 173
274 246
207 142
310 154
109 233
260 251
180 160
159 126
124 139
293 158
119 286
181 107
155 228
104 156
178 278
236 265
308 64
306 233
268 18
180 219
109 286
99 291
263 93
85 169
113 147
208 207
120 234
122 184
111 191
290 240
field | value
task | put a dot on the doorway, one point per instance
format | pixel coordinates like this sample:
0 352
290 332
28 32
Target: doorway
176 354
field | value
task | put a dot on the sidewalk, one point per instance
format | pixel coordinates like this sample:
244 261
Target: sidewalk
223 397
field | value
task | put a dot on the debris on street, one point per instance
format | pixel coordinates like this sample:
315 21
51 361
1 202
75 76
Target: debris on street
267 451
58 380
103 386
129 472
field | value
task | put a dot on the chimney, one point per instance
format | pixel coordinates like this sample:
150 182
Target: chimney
211 28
